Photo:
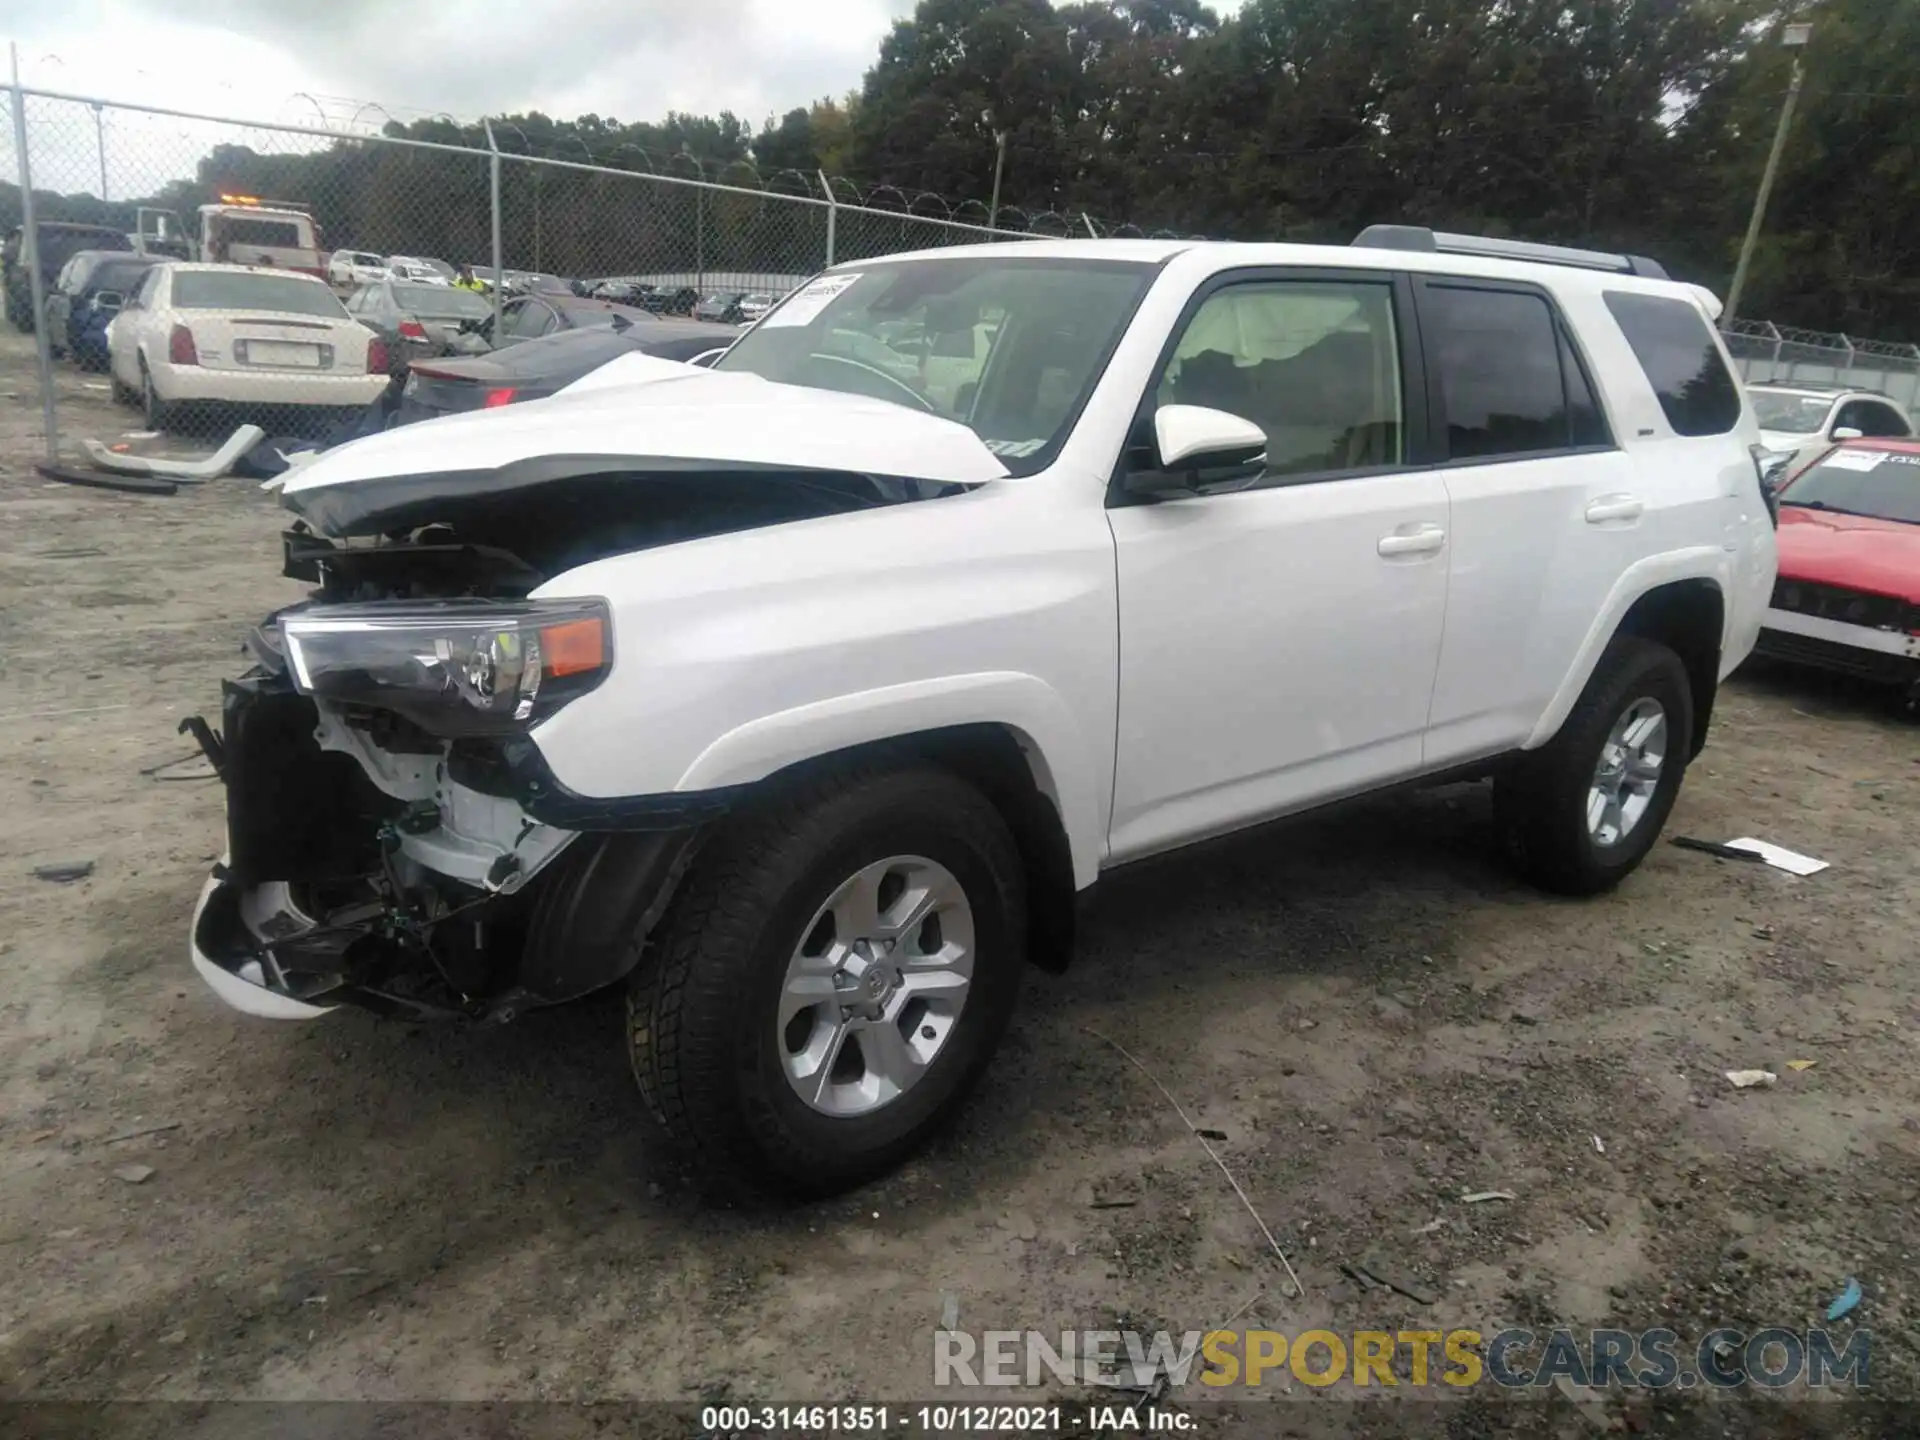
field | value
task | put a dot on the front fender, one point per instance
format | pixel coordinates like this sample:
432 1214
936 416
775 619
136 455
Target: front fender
1696 562
1041 722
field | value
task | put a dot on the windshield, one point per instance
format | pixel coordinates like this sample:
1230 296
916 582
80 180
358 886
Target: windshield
1795 414
245 290
1008 347
1881 483
722 298
758 298
442 302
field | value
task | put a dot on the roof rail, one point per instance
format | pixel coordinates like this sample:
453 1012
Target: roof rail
1419 237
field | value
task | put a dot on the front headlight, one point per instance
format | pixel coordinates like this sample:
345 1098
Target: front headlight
455 668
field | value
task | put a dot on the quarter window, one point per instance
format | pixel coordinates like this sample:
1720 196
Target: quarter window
1315 364
1676 350
1509 380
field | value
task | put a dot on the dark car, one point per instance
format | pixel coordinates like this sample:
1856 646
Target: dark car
528 317
419 321
670 301
86 295
538 368
60 240
622 290
722 307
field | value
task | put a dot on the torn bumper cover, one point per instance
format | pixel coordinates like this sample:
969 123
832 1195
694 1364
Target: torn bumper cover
370 863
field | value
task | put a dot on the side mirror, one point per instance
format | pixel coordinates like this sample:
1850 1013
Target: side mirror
1847 432
1199 451
109 300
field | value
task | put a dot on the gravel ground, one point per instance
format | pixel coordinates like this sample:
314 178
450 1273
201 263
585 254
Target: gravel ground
1373 1014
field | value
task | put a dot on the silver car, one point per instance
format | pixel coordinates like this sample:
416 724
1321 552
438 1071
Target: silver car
419 320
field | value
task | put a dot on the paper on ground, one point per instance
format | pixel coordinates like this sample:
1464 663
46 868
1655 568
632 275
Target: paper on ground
1778 856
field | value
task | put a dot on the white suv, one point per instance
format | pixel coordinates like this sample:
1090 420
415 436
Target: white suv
804 698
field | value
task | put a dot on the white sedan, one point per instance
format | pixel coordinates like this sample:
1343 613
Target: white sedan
239 335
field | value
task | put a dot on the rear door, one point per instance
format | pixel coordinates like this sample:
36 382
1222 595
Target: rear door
1547 509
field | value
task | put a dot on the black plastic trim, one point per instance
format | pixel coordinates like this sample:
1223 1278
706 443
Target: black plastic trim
524 776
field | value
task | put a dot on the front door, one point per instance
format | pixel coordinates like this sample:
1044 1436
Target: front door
1278 644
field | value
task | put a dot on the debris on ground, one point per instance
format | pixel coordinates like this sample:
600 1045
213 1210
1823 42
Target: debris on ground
97 480
1847 1299
1383 1274
1299 1290
1435 1224
1778 856
1748 1079
1713 847
192 472
137 1134
1599 1145
1798 1065
949 1311
64 872
1099 1204
134 1174
1211 1134
1480 1197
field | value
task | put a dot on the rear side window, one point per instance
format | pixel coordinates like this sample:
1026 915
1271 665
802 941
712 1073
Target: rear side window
1676 350
1510 382
268 234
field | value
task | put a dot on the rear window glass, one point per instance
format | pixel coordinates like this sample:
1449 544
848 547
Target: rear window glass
442 302
1676 350
247 290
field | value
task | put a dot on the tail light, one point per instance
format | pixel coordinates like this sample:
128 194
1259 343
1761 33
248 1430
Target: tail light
496 398
180 349
376 356
412 330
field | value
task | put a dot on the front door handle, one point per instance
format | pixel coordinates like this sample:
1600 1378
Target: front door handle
1614 507
1413 540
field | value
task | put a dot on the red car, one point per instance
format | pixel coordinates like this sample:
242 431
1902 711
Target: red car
1848 596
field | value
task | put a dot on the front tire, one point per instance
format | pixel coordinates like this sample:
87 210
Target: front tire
1578 815
831 979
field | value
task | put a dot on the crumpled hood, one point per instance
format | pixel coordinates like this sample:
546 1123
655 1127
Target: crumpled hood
1856 552
642 413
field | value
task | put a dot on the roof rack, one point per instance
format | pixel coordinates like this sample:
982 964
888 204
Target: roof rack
1419 237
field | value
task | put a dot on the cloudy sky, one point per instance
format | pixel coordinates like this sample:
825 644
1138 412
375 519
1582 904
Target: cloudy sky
633 59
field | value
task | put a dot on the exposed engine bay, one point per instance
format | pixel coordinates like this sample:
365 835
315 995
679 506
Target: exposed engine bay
394 837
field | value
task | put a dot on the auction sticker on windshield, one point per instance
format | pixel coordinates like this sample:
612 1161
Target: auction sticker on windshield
1855 460
812 299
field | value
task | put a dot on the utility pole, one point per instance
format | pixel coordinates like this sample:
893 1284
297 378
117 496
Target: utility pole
999 162
100 140
1795 38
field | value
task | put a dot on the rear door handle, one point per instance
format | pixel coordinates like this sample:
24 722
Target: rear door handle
1413 540
1615 507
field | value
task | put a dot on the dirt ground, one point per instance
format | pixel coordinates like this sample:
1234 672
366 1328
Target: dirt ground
1376 1017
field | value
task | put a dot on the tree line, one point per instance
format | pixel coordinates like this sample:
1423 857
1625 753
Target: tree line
1639 125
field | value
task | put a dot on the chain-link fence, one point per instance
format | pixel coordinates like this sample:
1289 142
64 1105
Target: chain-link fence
317 268
1783 355
333 264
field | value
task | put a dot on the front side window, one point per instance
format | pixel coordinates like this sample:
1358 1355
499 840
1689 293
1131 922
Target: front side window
1315 364
1008 347
1499 354
1676 350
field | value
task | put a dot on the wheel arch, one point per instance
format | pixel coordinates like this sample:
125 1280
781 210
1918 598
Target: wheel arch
1676 599
1006 766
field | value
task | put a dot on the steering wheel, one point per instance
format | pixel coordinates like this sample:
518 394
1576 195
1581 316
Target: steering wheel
905 389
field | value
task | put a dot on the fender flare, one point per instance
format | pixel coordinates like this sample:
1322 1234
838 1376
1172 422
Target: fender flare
1696 562
1042 723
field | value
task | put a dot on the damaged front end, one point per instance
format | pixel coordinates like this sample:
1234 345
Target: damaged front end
394 839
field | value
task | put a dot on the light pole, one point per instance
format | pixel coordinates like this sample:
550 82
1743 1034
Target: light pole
100 142
999 161
1795 38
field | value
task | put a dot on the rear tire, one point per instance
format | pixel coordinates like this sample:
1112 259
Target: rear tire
1578 815
156 411
741 1092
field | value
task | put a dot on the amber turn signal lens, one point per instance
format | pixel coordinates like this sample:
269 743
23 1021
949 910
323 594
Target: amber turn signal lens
577 647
